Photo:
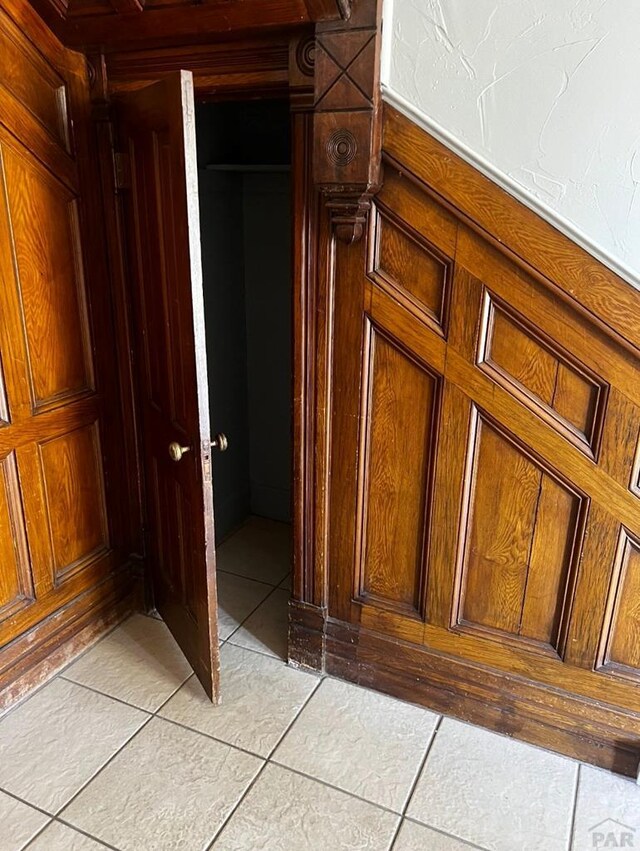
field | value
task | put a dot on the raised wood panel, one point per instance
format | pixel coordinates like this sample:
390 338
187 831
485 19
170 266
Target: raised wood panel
408 203
43 218
416 270
188 553
537 466
522 360
621 634
174 521
160 275
570 273
399 415
74 493
16 581
52 499
32 81
176 543
519 543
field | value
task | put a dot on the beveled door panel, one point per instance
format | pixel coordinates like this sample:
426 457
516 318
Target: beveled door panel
620 646
522 361
519 544
54 529
399 413
43 220
74 493
411 268
16 581
34 84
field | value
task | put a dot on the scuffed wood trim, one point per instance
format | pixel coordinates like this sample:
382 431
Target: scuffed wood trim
39 654
576 726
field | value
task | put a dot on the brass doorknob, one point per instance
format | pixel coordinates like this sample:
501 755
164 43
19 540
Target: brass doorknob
176 451
220 442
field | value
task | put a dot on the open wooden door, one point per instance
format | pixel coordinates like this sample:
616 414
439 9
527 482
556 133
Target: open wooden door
157 127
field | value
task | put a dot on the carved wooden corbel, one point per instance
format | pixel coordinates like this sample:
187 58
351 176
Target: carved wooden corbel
348 116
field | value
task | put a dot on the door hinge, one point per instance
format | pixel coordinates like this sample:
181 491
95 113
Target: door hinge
121 170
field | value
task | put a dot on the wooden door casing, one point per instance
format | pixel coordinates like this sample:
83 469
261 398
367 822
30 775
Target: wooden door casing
157 127
483 529
59 542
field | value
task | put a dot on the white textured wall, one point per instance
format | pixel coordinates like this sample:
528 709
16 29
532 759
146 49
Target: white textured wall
543 95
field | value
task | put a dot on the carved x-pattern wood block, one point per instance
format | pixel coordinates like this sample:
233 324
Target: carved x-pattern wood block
345 70
347 130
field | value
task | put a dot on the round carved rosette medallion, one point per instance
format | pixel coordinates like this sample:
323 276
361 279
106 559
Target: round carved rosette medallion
342 147
306 56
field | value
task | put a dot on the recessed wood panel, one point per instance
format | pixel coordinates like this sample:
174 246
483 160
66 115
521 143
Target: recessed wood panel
187 551
398 422
74 491
621 635
518 544
407 262
519 358
175 553
32 81
44 223
16 582
162 278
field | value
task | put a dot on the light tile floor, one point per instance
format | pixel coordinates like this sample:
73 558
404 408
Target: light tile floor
122 750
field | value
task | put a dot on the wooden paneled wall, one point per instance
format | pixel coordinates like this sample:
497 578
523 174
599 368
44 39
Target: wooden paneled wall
60 546
483 520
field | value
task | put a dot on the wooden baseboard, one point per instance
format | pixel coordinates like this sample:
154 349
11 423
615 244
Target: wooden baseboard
35 657
306 635
583 729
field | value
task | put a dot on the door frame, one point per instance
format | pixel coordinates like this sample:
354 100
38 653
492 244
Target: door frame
335 167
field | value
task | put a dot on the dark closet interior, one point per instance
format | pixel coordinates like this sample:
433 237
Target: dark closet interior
245 215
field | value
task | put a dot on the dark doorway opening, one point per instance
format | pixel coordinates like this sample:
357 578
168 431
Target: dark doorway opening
244 176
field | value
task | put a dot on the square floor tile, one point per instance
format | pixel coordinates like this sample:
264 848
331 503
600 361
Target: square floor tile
417 837
169 788
139 662
261 549
18 822
284 811
361 741
495 791
59 837
260 698
607 811
237 598
266 630
56 740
